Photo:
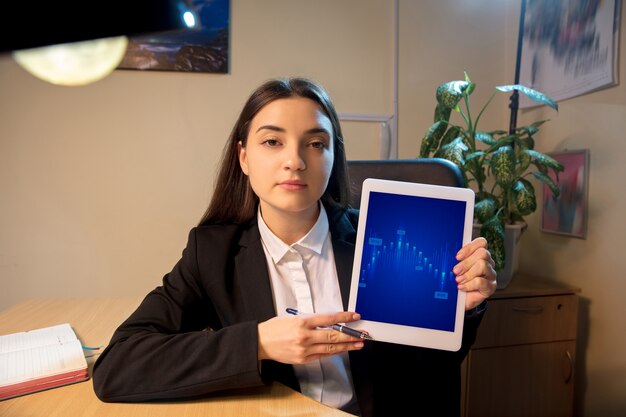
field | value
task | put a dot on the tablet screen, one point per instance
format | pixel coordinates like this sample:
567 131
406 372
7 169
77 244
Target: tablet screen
409 251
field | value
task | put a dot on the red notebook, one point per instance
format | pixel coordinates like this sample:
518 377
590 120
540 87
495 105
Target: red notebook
40 359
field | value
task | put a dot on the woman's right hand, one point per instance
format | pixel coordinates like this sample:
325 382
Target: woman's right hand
301 339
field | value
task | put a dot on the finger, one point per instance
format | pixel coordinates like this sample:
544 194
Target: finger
325 320
481 277
325 336
482 285
471 247
328 349
480 270
480 257
473 299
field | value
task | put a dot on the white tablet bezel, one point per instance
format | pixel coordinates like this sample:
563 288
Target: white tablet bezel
401 334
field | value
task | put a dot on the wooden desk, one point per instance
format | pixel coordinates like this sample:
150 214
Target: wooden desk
94 321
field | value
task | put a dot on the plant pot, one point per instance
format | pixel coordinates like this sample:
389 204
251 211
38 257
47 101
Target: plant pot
512 235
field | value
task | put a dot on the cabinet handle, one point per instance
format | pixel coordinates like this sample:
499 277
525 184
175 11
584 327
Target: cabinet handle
570 362
531 310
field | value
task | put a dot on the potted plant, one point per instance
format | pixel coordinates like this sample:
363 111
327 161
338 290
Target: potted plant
496 165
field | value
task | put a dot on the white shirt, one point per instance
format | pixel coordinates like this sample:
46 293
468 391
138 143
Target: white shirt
303 276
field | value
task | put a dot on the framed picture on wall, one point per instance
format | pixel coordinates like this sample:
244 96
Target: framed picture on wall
203 49
569 47
567 213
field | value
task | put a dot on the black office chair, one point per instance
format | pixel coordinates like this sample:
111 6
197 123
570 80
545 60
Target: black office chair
437 171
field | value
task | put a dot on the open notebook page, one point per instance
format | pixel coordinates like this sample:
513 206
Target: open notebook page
39 353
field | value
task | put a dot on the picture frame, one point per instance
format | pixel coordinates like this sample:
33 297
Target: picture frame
202 49
567 214
568 48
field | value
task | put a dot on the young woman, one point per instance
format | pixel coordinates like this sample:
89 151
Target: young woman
279 233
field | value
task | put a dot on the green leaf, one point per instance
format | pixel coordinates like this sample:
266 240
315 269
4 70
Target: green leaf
524 158
473 155
430 142
485 138
442 113
520 142
539 122
453 151
527 143
451 134
548 181
508 139
523 193
485 209
449 94
530 93
529 130
498 132
493 231
470 88
545 160
502 142
503 166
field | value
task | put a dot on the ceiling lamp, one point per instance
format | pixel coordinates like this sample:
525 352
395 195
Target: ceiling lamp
82 42
76 63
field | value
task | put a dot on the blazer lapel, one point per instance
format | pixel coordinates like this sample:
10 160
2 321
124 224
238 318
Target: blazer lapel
343 235
253 277
344 253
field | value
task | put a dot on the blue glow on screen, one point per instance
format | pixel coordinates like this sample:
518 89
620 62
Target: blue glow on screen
409 251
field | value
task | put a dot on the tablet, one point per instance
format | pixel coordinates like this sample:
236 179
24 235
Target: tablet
408 235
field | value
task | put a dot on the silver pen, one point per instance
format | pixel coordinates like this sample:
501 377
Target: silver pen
339 327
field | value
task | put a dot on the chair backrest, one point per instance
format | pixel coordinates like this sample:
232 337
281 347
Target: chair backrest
437 171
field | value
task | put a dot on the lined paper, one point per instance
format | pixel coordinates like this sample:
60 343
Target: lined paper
39 353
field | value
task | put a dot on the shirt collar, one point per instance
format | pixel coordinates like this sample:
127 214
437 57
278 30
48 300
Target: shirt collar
313 240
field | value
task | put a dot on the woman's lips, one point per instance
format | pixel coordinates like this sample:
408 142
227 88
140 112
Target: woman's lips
293 185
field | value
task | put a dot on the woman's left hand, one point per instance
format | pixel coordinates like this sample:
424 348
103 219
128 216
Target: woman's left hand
475 273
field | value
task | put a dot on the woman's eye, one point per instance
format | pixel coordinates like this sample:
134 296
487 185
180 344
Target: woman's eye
318 144
271 142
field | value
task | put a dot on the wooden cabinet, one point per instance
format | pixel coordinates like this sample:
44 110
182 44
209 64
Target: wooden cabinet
522 363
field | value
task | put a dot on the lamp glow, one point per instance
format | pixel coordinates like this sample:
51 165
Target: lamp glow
190 19
74 64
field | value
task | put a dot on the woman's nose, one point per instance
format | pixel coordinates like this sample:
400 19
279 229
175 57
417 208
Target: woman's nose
294 160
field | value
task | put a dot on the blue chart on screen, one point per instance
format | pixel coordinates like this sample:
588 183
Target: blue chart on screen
409 251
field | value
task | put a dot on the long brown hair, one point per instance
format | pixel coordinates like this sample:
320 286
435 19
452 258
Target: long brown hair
233 200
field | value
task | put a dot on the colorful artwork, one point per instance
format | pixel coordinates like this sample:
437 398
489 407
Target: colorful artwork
567 214
569 47
204 49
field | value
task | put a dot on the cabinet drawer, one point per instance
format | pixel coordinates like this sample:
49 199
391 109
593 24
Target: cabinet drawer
528 320
522 381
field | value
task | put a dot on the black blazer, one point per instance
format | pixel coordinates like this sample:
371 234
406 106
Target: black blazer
197 333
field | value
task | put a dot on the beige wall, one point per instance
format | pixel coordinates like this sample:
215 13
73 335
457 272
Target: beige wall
438 41
100 184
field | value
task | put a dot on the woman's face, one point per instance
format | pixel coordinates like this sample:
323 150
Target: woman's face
288 157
